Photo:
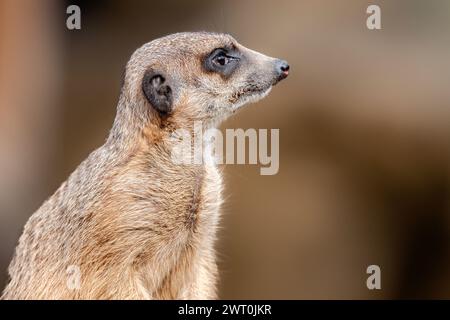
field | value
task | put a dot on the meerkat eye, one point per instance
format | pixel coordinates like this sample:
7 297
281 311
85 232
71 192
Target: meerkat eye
222 61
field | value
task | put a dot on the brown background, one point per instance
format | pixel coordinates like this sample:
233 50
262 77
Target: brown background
364 123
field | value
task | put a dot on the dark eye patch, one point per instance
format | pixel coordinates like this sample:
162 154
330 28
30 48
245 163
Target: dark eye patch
223 61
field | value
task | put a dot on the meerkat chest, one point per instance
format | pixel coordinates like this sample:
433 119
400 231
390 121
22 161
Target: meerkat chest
186 196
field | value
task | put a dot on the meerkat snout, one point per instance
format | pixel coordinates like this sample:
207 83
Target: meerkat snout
283 69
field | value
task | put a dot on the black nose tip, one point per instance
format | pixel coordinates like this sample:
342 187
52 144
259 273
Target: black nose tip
282 69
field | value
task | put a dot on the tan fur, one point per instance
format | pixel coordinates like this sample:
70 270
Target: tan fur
137 225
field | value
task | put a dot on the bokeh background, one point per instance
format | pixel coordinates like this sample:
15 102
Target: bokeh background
364 123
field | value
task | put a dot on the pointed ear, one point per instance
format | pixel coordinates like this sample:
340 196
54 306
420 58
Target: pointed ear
158 92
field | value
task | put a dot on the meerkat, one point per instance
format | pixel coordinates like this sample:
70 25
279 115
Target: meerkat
129 222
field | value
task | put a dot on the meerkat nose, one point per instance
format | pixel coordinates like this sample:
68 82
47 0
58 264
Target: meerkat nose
282 68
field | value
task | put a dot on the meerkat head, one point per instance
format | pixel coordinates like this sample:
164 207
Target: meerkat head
187 77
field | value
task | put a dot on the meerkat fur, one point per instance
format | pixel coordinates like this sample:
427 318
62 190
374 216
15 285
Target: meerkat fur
130 222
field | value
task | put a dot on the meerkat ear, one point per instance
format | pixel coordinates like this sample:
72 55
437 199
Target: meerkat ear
158 92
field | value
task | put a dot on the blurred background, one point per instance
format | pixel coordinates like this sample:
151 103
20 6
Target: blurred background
364 123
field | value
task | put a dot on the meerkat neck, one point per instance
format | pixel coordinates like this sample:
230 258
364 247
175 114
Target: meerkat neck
135 127
128 125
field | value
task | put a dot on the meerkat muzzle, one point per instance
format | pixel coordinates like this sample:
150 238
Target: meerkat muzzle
282 69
